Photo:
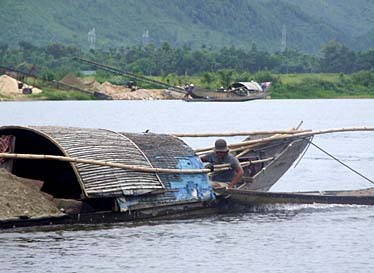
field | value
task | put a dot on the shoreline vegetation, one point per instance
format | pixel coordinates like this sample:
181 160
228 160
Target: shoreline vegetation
336 72
285 86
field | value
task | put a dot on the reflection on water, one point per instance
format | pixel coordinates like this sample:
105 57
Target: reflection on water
277 238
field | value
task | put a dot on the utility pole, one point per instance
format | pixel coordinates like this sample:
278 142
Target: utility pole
284 45
284 39
145 37
92 39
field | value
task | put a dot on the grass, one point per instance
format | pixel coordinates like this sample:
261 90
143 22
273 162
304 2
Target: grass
55 94
298 78
320 86
51 93
3 97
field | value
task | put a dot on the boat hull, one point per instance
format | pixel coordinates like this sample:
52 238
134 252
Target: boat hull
227 99
211 96
185 210
285 154
255 198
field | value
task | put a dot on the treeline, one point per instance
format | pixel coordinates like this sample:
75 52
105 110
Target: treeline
56 60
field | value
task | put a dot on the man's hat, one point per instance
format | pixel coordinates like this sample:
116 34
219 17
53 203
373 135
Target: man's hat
221 146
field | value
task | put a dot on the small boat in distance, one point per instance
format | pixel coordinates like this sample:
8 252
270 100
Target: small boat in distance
239 91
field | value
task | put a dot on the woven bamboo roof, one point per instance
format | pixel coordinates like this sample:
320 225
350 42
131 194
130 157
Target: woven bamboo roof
148 150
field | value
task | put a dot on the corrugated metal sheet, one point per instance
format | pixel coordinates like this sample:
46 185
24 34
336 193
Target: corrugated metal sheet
105 145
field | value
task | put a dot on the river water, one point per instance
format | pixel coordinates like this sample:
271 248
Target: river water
282 238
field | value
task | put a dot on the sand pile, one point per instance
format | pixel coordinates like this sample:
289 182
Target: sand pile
120 92
92 85
9 87
19 197
109 88
71 79
148 94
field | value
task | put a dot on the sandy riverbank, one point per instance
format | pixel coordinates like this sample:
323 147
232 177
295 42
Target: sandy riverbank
10 90
120 92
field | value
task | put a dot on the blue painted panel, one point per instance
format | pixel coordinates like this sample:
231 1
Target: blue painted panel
125 205
192 186
184 187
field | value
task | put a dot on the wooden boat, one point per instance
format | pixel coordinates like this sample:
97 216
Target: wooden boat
274 159
227 98
236 94
117 176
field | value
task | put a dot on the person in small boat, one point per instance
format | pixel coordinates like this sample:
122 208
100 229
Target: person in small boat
227 178
189 89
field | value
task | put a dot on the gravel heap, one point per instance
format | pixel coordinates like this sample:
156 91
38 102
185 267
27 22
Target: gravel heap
120 92
20 197
9 87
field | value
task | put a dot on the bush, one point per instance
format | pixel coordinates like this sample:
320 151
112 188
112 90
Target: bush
365 78
266 76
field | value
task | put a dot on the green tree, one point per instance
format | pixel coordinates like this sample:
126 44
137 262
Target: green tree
208 79
336 58
226 76
365 60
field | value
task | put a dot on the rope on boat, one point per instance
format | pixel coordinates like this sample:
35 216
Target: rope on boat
306 149
126 166
341 162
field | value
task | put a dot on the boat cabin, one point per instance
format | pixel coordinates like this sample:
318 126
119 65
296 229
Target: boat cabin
105 188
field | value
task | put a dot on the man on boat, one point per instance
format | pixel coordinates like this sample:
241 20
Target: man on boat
189 89
226 178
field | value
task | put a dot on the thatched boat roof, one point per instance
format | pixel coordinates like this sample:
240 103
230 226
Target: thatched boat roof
92 181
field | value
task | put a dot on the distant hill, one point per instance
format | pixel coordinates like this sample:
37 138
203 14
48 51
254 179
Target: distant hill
194 23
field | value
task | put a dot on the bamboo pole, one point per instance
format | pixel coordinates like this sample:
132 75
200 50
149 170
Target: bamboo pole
104 163
134 168
223 167
217 134
239 146
243 152
287 136
273 134
298 126
248 149
239 149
